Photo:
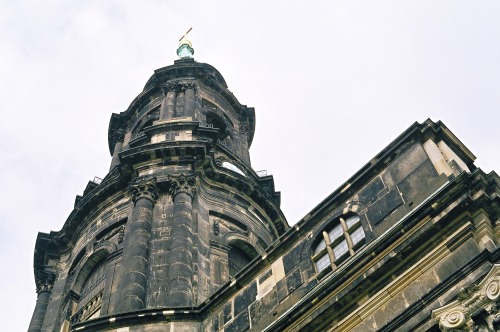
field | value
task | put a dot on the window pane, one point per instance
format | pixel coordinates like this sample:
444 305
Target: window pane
351 221
319 247
335 233
358 235
340 249
322 263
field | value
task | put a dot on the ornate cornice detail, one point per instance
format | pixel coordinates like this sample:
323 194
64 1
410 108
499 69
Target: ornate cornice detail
183 184
44 281
144 187
477 306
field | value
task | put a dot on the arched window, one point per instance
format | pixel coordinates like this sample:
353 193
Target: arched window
89 304
338 242
237 260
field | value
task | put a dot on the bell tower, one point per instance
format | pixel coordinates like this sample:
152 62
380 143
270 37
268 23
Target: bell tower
179 215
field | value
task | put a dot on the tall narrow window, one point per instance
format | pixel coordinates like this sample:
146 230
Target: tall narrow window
338 242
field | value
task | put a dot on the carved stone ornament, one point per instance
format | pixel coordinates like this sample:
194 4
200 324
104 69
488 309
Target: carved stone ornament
216 227
476 308
184 184
244 129
44 281
144 187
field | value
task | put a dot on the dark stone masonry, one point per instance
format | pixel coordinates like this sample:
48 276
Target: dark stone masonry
183 235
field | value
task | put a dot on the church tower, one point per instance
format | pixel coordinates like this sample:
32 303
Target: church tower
179 214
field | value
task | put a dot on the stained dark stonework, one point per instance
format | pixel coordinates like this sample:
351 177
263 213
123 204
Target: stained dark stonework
183 235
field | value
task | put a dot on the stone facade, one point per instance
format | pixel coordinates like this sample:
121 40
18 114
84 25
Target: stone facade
183 235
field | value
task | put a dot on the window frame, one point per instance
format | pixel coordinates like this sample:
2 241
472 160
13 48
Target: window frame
349 227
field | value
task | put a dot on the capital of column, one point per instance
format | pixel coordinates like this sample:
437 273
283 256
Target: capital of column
183 184
144 187
118 135
477 307
244 129
189 85
171 87
179 87
44 281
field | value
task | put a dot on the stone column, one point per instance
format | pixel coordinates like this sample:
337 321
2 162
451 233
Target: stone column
180 271
167 110
44 282
118 140
189 99
136 249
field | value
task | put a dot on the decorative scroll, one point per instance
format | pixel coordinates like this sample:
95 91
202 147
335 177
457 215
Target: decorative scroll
144 187
477 307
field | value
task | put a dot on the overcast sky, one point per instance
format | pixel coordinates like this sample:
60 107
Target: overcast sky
332 83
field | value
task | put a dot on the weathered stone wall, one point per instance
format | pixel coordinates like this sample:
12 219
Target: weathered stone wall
389 195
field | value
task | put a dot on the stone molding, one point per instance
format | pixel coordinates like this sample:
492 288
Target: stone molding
45 282
183 184
477 307
144 187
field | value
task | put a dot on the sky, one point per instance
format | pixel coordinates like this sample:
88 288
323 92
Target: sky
332 83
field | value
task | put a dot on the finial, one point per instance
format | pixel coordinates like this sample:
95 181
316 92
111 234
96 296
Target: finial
185 49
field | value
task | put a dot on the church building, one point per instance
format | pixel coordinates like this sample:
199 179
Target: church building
184 235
